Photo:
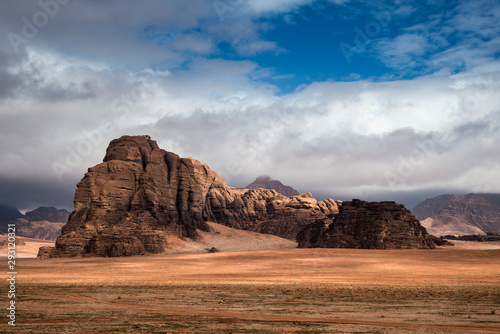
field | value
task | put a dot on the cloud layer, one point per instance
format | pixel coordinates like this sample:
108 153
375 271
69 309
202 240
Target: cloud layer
101 69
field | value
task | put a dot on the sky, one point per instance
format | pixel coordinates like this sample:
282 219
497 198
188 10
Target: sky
378 100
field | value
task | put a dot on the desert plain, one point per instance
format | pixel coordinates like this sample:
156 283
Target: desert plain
447 290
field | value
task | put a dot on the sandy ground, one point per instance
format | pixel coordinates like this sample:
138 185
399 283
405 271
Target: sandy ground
476 245
223 238
27 251
226 239
448 290
453 289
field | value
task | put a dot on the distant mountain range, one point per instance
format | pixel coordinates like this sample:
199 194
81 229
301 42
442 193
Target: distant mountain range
460 214
265 182
8 214
43 223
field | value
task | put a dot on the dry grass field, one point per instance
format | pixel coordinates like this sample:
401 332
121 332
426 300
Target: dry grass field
448 290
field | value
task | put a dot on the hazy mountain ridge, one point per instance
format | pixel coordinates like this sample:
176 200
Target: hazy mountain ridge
8 214
44 223
50 214
460 214
266 182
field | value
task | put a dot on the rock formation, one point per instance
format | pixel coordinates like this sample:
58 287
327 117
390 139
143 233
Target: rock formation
140 194
265 182
369 225
460 215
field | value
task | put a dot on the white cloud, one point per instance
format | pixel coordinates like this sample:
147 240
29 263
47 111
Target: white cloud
277 6
342 136
402 52
255 47
194 43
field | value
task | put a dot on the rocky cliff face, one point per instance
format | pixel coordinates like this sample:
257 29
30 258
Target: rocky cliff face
128 204
265 211
265 182
369 225
460 215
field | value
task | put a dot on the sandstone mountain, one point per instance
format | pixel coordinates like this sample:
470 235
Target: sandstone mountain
370 225
141 195
44 223
460 215
265 182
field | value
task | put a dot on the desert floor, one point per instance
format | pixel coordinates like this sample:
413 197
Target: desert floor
447 290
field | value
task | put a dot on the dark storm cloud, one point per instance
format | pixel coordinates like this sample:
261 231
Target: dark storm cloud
9 82
29 193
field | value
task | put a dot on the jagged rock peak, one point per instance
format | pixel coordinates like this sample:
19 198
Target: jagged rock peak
266 182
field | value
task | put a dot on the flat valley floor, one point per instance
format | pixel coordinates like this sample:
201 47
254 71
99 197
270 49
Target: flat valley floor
447 290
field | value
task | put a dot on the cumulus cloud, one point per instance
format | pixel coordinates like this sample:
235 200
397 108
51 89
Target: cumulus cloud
403 51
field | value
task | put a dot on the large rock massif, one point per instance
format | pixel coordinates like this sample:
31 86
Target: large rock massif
141 194
265 182
369 225
460 214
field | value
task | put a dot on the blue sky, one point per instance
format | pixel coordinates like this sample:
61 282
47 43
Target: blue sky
317 44
346 99
357 40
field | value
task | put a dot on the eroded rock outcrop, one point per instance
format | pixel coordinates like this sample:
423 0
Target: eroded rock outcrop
128 204
369 225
